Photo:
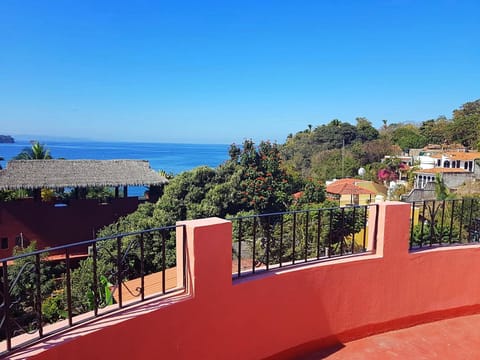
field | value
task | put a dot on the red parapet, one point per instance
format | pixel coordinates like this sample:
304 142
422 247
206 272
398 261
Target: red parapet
286 312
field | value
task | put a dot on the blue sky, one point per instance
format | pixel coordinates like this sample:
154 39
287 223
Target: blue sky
223 71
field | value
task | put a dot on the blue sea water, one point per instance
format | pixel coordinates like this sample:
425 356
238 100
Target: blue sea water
173 158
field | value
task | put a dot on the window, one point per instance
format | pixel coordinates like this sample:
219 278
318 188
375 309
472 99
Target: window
458 163
356 199
446 164
4 243
439 162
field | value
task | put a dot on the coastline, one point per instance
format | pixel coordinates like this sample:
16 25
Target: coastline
170 157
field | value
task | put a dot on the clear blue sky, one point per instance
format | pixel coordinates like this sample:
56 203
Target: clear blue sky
222 71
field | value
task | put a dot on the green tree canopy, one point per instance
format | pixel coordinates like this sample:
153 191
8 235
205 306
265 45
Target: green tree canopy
36 152
436 131
408 137
465 125
265 185
334 135
365 130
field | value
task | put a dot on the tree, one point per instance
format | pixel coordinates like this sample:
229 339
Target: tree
298 151
265 185
374 151
365 130
82 285
22 279
336 163
313 193
408 137
465 125
183 195
436 131
389 170
36 152
334 135
441 190
9 195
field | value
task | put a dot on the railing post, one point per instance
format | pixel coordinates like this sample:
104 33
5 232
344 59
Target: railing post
181 259
393 230
209 256
38 294
119 270
142 267
69 286
6 306
95 277
307 216
239 264
164 259
254 250
294 236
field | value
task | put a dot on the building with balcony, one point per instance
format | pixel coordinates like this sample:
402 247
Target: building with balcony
454 166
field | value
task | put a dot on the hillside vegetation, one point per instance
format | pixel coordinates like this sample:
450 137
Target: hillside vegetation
262 178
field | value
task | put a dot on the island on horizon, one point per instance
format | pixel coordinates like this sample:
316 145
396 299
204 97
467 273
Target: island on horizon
6 139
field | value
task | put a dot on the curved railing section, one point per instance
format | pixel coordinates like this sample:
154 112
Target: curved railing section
58 285
443 223
271 241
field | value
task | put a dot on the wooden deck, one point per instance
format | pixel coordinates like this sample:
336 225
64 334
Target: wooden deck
153 285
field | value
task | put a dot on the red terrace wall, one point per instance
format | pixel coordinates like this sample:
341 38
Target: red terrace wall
51 226
285 313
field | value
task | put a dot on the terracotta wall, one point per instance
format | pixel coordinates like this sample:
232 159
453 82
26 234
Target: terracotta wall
285 313
51 226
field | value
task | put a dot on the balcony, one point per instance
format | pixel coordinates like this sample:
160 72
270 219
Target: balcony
318 300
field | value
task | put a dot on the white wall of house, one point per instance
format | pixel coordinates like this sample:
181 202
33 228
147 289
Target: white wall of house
446 162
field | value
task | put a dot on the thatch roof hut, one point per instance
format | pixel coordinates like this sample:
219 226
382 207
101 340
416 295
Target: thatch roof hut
54 174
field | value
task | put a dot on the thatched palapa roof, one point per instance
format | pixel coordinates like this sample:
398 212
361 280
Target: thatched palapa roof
36 174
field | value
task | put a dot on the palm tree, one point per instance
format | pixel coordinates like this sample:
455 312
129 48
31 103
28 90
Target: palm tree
36 152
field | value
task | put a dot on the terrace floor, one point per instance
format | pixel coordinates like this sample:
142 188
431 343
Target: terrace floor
456 338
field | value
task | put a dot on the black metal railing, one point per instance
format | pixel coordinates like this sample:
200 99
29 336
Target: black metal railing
447 222
268 241
52 285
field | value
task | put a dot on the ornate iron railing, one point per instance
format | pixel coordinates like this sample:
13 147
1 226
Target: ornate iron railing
447 222
269 241
52 285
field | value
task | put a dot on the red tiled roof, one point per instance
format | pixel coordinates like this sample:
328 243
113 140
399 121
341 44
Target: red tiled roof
440 171
457 155
347 187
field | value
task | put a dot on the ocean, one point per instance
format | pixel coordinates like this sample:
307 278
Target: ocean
172 158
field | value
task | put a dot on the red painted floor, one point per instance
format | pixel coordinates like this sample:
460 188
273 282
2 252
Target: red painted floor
457 338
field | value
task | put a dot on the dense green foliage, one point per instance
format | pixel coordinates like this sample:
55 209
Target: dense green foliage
262 178
23 275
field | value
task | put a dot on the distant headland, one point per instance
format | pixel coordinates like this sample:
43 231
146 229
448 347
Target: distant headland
6 139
